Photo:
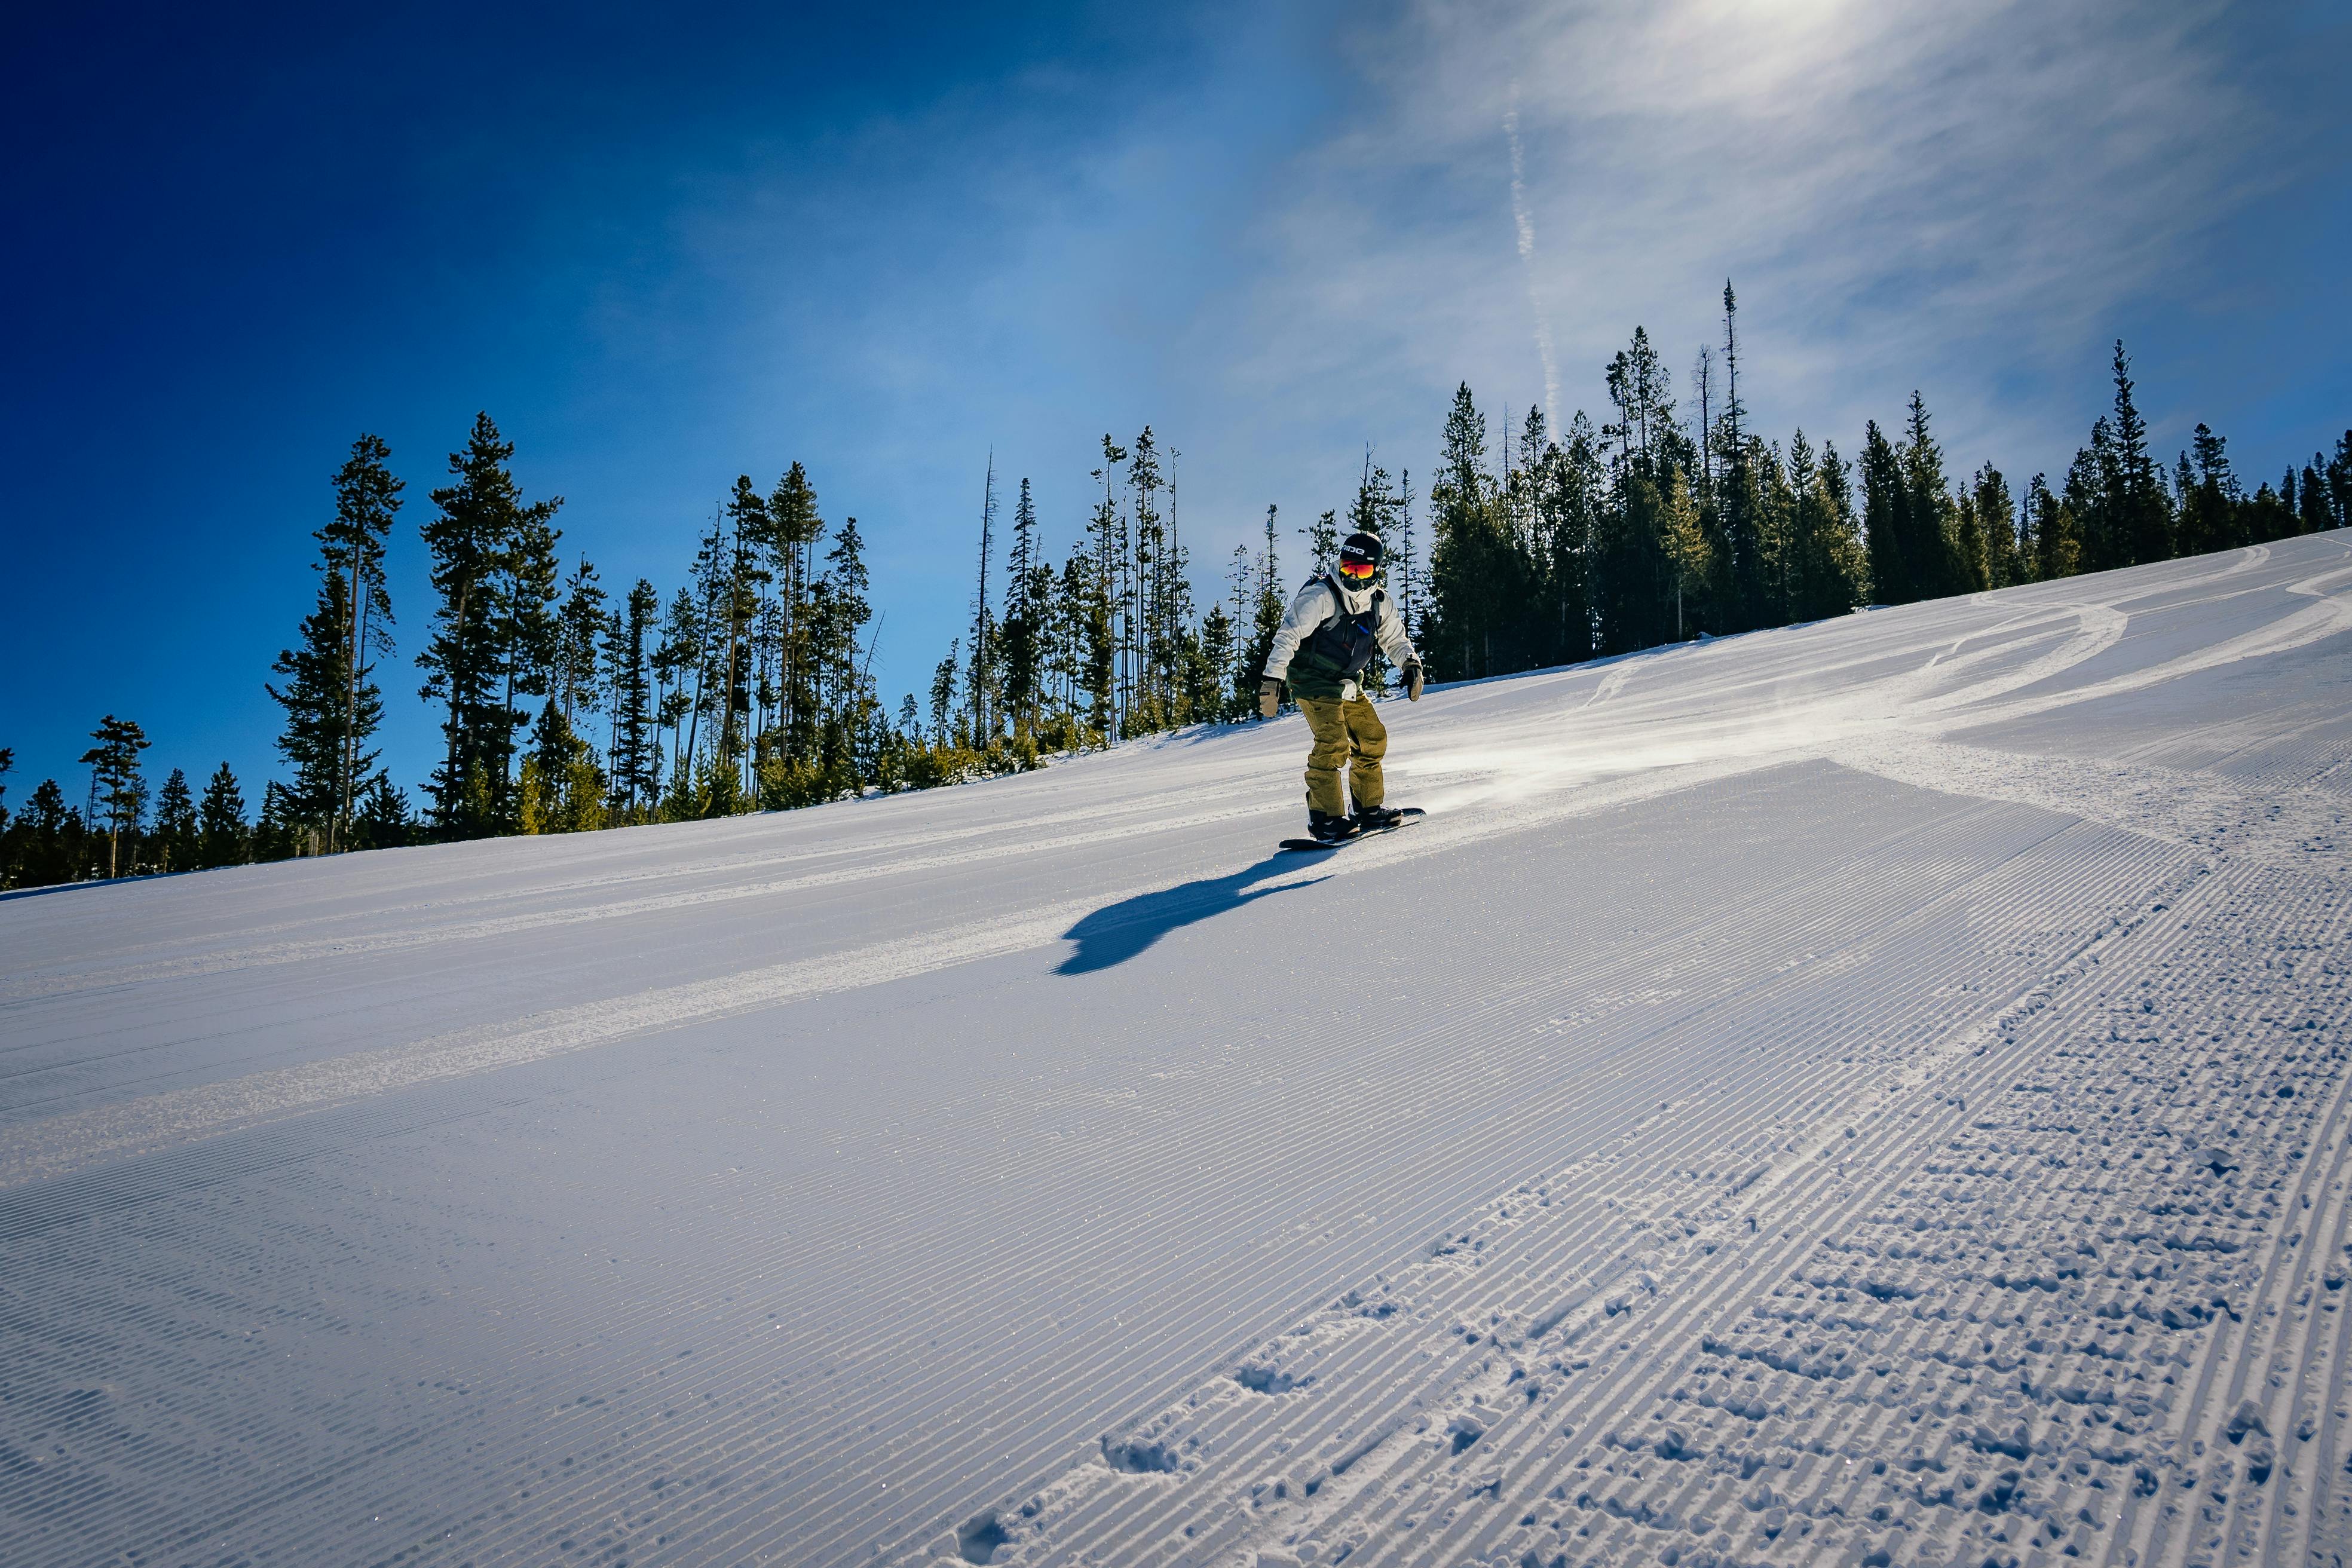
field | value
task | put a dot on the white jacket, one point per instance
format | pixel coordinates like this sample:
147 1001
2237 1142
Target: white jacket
1323 599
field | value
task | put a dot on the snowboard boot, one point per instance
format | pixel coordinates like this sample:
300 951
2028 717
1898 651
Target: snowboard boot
1328 830
1372 818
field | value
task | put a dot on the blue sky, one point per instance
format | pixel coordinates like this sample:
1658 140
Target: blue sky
663 249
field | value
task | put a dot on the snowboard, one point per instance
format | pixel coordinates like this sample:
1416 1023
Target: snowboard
1406 817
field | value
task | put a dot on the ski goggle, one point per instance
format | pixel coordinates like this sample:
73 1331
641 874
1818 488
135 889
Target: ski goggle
1357 568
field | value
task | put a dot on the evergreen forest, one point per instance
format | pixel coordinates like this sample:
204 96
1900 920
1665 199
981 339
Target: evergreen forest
566 704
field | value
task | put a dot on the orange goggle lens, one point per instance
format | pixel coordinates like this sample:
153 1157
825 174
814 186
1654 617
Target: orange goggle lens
1357 568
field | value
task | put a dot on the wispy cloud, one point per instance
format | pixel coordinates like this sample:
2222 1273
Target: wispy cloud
1524 222
1962 196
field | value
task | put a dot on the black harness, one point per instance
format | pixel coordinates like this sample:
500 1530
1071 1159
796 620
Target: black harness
1345 643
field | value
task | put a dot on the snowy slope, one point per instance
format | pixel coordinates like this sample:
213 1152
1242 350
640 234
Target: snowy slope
1867 1091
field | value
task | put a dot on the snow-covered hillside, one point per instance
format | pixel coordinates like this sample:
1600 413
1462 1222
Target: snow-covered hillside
1873 1091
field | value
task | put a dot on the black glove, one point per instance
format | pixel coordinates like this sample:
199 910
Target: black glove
1269 697
1413 680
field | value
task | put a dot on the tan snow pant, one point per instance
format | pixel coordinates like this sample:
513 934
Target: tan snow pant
1348 734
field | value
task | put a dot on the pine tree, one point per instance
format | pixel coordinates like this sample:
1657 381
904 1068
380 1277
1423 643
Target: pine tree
765 667
561 790
1703 378
1146 645
1104 666
1642 389
1374 510
1021 640
222 836
1099 661
275 836
1806 568
1124 590
530 631
2267 514
46 840
1469 579
2312 512
581 627
1071 647
120 785
2213 463
1739 503
1997 517
674 660
1828 569
367 504
794 526
1633 579
2057 539
1058 609
1038 619
1973 562
1734 410
385 820
332 704
2186 525
1266 619
711 583
2210 500
635 754
1377 506
981 680
1164 643
1209 696
487 549
734 609
2141 520
1462 461
943 693
1572 494
328 712
1322 538
2093 480
175 824
1687 550
842 627
1772 507
1406 560
1930 513
7 766
1741 525
1885 502
2339 480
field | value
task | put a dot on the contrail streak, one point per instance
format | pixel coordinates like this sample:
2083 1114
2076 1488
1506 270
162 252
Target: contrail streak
1525 223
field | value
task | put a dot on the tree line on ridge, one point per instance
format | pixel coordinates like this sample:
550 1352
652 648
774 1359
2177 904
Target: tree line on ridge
565 707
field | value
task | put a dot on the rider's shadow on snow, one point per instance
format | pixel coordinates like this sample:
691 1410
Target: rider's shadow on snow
1117 932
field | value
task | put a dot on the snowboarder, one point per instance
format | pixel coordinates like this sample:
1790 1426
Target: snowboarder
1325 639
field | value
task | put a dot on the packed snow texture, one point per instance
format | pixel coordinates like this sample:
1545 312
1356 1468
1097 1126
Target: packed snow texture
1873 1091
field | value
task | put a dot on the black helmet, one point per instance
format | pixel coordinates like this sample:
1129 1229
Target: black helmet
1359 555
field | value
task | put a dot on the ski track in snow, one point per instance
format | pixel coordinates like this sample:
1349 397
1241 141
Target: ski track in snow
1866 1093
